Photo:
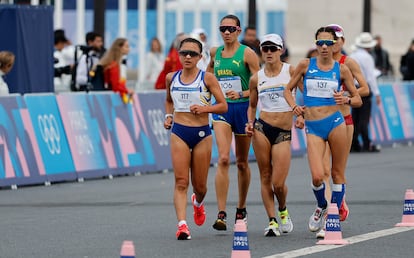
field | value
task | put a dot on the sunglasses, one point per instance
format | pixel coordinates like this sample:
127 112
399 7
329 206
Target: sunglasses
185 53
231 29
328 42
272 48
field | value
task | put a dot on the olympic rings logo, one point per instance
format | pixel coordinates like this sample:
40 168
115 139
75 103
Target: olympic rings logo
50 132
156 118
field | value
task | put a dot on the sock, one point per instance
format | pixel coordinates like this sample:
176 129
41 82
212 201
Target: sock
197 204
282 209
182 222
240 210
338 192
319 192
272 219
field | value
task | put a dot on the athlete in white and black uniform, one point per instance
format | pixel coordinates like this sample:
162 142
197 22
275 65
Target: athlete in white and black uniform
271 132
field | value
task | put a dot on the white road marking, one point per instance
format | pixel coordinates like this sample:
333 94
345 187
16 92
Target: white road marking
351 240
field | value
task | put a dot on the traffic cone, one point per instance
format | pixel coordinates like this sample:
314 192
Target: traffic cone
128 249
240 241
408 211
333 234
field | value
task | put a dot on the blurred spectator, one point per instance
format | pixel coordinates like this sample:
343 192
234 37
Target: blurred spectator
250 39
63 69
381 58
407 63
312 52
154 62
361 116
284 57
172 62
6 64
86 74
201 35
115 68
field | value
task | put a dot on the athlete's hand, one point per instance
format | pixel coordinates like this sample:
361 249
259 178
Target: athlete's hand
339 97
249 129
196 109
231 94
300 122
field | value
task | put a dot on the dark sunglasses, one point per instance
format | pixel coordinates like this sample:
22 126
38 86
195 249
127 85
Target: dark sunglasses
185 53
272 48
328 42
231 29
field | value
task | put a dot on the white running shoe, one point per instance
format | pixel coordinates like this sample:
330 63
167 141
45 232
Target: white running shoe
272 230
286 225
317 219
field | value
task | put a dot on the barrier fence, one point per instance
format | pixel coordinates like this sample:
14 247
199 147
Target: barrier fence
70 136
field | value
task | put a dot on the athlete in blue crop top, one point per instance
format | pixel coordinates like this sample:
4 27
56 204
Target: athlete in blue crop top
187 106
322 77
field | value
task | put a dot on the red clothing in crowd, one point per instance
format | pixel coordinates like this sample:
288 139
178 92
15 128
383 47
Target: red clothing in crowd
112 76
172 64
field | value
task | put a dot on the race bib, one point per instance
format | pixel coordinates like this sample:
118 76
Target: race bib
230 83
183 100
321 88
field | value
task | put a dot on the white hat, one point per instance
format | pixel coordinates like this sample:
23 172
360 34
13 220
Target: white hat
365 40
272 38
199 31
339 31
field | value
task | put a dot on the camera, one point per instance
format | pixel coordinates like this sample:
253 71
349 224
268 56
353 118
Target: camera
85 49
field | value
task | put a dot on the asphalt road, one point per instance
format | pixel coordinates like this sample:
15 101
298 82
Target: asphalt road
93 218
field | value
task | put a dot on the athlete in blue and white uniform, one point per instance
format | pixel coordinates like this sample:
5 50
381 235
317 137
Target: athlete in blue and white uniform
322 78
187 106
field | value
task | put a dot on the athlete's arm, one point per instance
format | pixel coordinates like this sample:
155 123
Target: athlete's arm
363 89
169 105
348 79
295 79
210 66
253 99
213 85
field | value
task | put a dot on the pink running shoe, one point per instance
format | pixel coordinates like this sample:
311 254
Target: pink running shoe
343 211
199 212
183 233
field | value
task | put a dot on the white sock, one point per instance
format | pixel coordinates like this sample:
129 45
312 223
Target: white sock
182 222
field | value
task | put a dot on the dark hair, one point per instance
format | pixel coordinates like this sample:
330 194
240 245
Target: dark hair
192 40
326 29
91 36
233 17
249 28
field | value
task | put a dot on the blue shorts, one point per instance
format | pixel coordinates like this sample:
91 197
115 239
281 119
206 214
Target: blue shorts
324 127
236 117
191 135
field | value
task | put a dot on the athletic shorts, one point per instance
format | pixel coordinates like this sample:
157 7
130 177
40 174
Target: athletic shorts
236 117
191 135
324 127
275 135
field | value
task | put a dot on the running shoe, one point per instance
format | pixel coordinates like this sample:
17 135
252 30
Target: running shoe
272 230
241 215
221 221
317 219
321 233
343 211
199 212
183 233
286 225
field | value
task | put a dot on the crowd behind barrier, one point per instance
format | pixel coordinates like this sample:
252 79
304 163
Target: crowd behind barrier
46 138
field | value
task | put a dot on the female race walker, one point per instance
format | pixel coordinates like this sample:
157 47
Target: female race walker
187 106
271 133
322 78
